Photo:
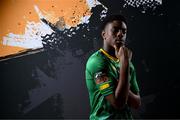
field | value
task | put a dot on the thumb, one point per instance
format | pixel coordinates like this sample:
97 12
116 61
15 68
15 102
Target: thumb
115 47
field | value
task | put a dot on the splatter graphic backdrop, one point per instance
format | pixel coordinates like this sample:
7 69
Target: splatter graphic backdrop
47 43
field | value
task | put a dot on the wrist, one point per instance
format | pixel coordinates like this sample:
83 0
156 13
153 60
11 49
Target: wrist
124 63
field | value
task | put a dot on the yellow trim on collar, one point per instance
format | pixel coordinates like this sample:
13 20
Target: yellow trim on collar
109 56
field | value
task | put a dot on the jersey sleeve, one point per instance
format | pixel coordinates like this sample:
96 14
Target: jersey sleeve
133 82
97 71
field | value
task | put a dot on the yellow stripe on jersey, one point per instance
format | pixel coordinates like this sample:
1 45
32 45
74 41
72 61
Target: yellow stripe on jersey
104 86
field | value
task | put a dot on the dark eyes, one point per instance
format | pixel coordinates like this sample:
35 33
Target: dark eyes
115 30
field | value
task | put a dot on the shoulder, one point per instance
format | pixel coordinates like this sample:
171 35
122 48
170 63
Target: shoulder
96 60
96 57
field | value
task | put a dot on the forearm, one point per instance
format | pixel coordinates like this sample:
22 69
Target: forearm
134 100
122 89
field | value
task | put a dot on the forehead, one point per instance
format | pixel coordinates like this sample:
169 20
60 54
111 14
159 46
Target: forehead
116 23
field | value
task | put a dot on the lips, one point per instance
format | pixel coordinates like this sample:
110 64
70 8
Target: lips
119 41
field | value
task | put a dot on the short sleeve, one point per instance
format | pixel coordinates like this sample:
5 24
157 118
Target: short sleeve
97 71
133 82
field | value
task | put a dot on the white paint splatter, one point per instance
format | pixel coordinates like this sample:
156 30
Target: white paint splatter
31 39
160 1
145 3
94 3
85 19
38 12
91 4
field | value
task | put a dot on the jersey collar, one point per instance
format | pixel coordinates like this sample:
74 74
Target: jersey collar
109 56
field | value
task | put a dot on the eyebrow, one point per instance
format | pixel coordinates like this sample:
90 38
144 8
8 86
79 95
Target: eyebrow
115 27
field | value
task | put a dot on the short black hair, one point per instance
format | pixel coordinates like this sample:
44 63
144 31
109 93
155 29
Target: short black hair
111 18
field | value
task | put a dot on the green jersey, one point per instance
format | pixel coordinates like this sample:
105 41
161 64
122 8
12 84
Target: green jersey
102 64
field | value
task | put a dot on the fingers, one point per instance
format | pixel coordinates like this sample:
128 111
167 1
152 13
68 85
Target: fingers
127 53
123 51
115 47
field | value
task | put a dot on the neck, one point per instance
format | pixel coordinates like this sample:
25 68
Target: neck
110 50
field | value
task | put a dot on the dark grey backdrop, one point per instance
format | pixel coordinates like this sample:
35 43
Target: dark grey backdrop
51 84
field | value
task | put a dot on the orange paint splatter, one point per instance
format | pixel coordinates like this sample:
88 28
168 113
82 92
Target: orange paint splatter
14 15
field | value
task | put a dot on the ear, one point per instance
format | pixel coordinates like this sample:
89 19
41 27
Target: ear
103 35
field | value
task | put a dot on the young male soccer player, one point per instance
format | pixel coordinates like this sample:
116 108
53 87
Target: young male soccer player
110 74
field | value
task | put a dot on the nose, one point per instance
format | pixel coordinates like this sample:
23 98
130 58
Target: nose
120 33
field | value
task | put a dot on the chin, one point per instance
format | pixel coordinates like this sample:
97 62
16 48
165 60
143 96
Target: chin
118 44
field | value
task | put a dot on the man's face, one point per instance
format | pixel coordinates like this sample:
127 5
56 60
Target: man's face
115 33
